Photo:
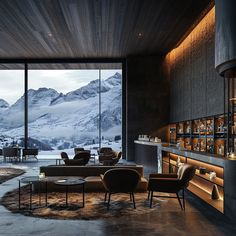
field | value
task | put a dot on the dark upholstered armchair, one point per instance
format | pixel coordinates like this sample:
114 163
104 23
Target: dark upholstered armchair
80 159
82 155
120 180
171 183
107 156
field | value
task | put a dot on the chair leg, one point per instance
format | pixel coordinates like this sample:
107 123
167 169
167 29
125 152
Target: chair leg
108 203
105 199
133 200
148 195
183 200
179 201
151 199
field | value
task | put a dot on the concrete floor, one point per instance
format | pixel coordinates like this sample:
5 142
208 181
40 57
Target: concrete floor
198 219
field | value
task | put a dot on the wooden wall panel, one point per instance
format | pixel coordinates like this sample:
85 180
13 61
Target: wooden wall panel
94 28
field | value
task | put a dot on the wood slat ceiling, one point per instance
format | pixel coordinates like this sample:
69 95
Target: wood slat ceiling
94 28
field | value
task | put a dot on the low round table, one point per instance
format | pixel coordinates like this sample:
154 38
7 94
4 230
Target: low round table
67 182
31 180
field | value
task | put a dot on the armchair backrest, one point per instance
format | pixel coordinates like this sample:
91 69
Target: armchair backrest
104 150
187 173
117 157
78 149
64 155
83 155
121 180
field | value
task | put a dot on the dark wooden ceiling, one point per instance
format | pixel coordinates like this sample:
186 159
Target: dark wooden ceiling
94 28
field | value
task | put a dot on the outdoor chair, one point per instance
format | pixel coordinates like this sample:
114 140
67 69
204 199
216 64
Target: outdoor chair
11 153
30 153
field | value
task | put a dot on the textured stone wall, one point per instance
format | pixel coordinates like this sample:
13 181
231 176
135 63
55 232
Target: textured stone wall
147 99
196 90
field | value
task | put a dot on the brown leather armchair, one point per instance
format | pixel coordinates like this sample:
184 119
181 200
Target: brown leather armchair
171 183
120 180
107 156
82 155
80 159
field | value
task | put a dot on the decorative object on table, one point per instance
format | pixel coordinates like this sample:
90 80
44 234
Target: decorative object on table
215 195
42 175
143 137
157 140
202 170
212 175
231 155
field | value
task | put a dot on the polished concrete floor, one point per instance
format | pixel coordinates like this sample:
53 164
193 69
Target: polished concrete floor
167 219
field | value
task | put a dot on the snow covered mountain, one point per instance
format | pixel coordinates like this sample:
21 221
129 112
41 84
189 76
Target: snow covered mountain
73 117
3 103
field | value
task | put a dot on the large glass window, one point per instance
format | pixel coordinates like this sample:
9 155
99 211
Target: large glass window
11 108
111 107
63 110
74 108
67 108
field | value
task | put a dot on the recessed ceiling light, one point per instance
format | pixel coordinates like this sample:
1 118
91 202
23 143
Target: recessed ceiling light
49 34
140 35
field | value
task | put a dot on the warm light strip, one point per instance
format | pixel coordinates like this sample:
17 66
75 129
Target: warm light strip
194 36
203 189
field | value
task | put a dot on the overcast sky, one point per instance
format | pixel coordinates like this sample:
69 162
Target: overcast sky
12 81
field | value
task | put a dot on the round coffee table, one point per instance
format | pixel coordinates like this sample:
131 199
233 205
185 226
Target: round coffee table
67 182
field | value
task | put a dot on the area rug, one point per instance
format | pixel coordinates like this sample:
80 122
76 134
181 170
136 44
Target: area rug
95 208
7 173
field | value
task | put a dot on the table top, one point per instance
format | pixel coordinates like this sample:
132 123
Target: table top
69 181
30 179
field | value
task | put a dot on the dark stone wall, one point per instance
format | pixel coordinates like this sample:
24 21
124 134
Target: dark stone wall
147 99
196 90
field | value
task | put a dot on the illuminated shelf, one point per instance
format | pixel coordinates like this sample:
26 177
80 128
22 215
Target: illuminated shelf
199 132
206 196
206 176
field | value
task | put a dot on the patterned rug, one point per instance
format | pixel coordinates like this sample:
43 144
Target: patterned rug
95 208
7 173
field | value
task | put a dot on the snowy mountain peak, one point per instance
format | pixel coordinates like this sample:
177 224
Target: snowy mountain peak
39 97
3 103
114 80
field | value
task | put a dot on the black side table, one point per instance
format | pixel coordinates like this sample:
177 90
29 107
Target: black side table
31 180
71 182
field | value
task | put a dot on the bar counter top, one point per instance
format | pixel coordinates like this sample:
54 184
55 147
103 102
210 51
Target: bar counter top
200 156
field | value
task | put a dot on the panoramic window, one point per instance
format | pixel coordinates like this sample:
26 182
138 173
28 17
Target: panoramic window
73 108
111 106
12 108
